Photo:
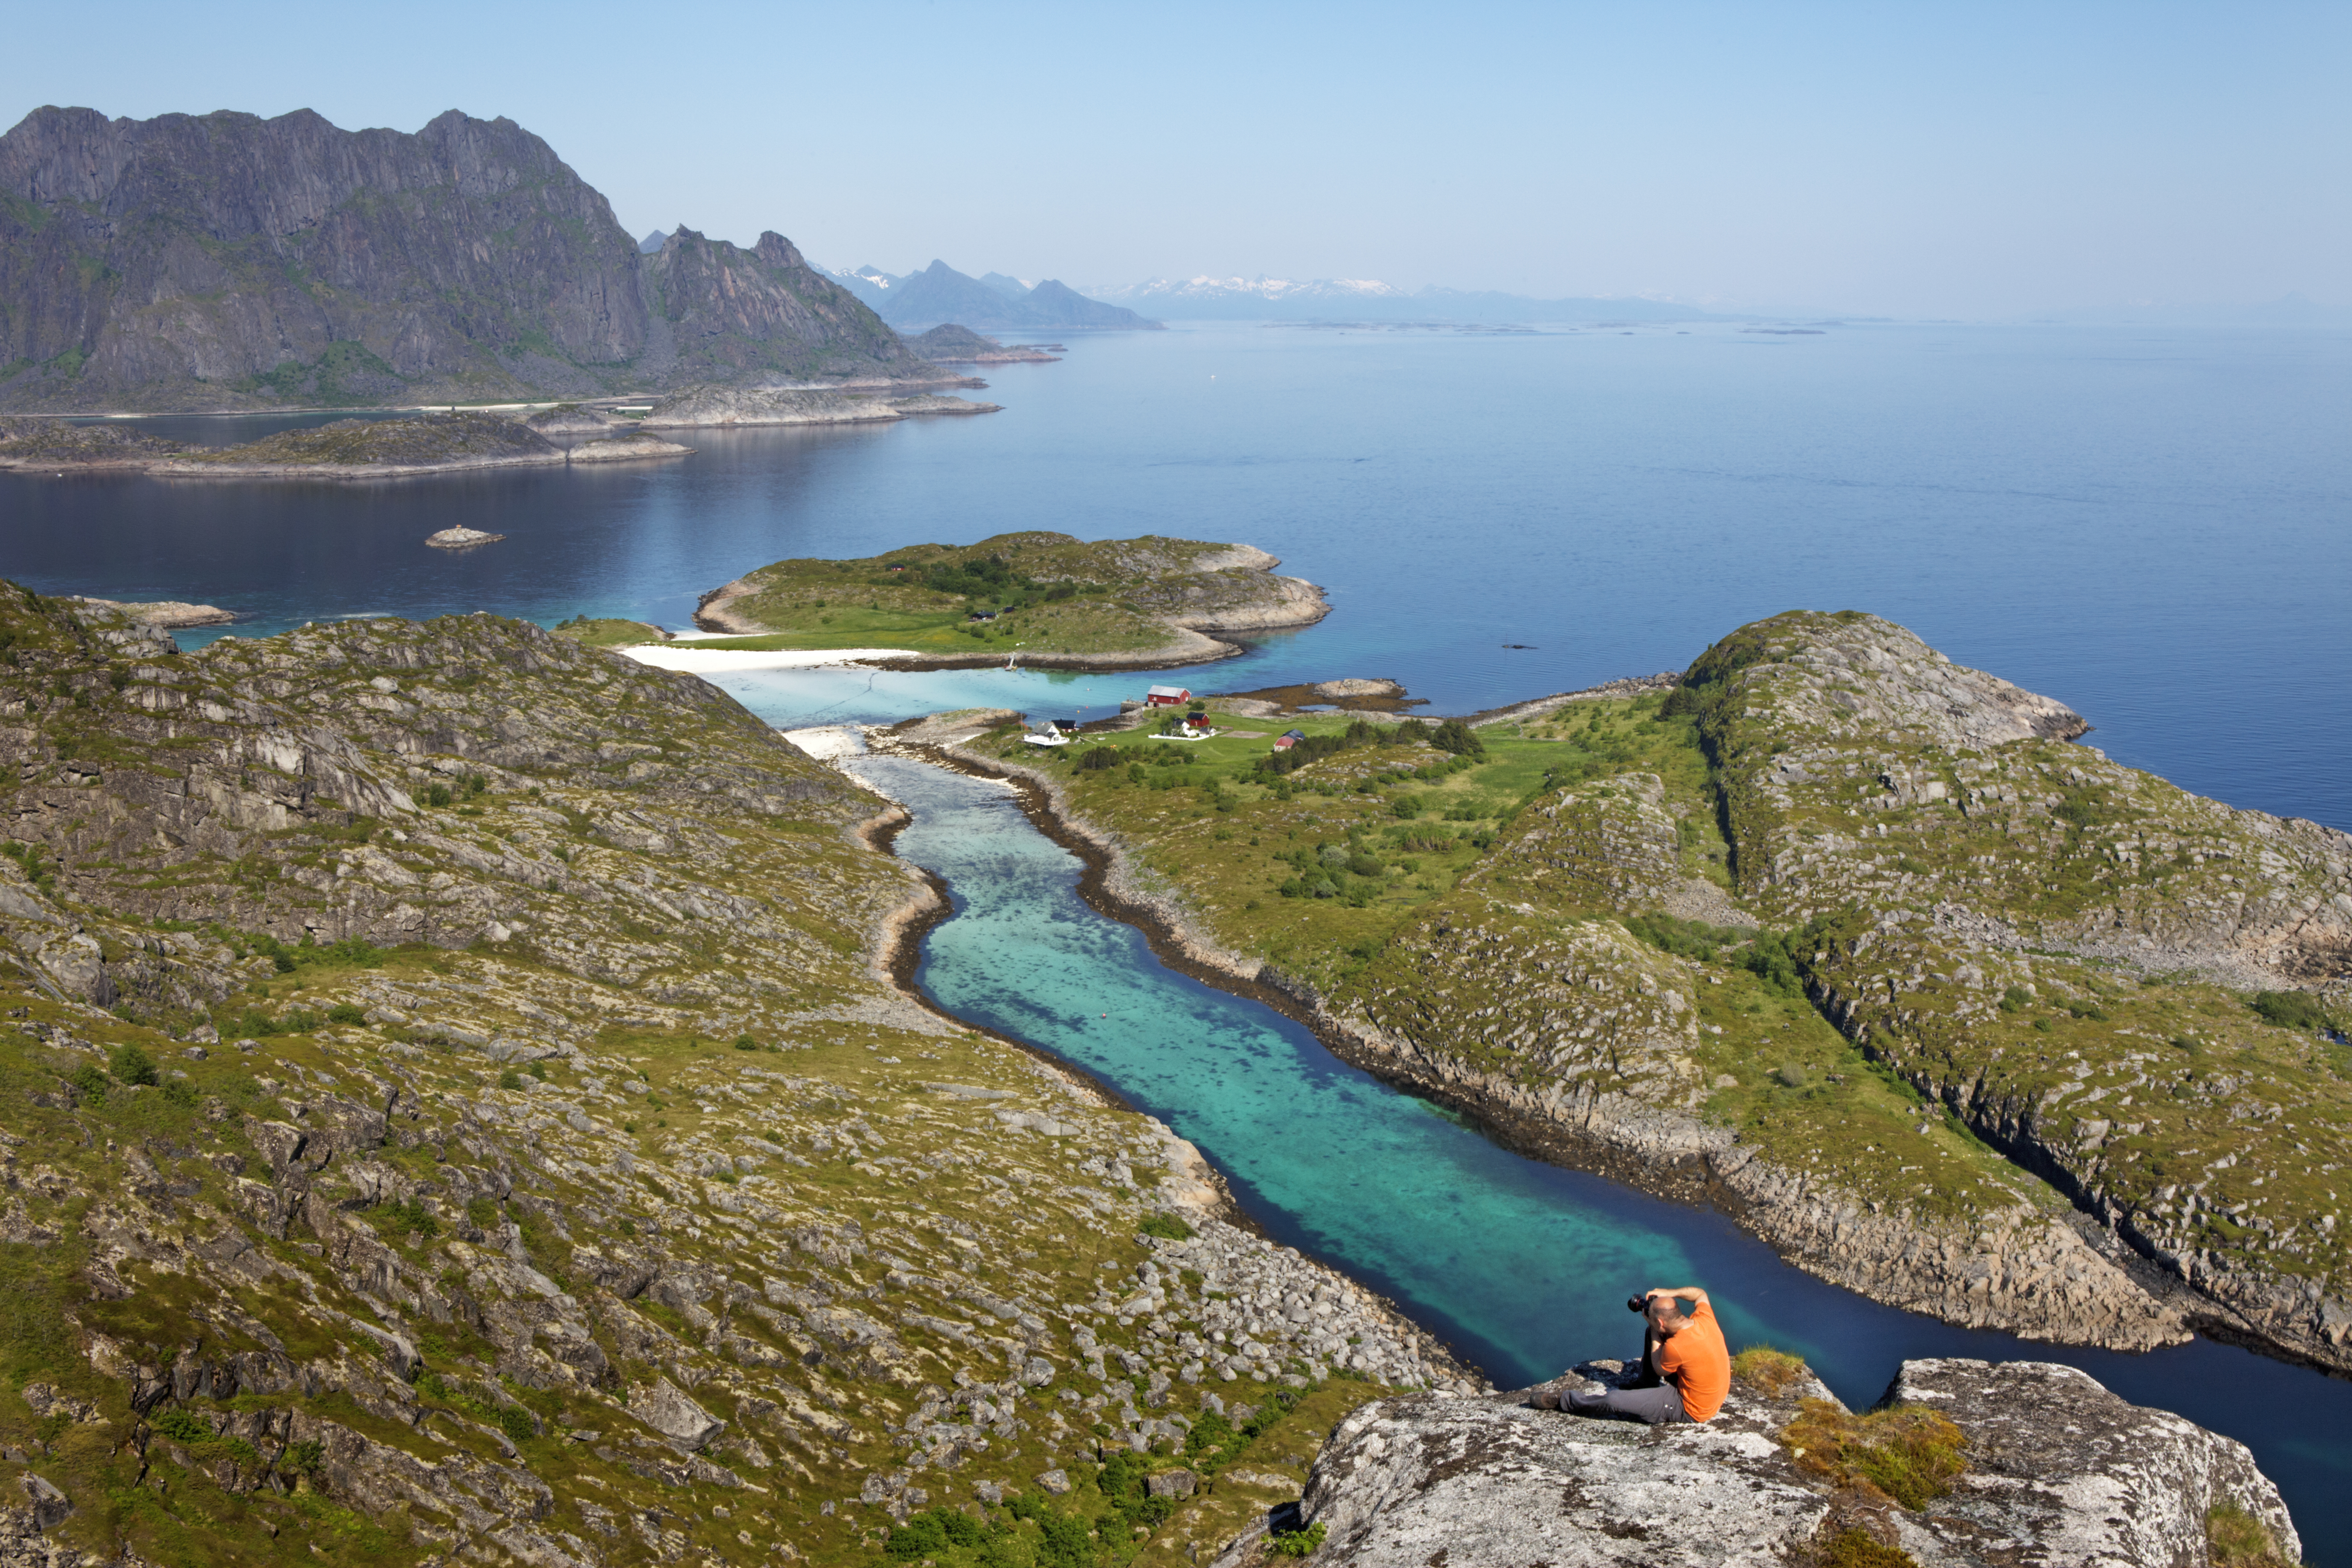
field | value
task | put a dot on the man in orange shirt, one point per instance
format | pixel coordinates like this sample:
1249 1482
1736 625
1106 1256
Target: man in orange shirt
1685 1366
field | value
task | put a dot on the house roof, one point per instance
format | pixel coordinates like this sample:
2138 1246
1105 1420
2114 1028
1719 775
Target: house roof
1181 693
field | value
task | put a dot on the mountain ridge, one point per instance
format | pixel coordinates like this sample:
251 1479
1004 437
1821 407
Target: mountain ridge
939 295
228 261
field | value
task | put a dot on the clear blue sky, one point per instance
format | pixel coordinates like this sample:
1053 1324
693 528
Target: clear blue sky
1977 158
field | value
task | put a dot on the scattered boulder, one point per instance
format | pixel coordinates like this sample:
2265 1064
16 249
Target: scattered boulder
461 538
665 1408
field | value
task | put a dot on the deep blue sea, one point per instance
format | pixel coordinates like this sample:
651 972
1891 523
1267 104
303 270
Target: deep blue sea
2154 526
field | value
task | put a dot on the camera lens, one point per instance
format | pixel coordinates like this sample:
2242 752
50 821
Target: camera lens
1637 1303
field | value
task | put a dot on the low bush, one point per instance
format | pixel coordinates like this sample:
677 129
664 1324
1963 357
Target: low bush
1769 1368
1853 1549
1683 939
2236 1539
131 1065
1906 1453
1298 1543
2293 1010
1166 1227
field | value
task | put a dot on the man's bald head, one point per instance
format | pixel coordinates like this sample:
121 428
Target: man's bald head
1666 1314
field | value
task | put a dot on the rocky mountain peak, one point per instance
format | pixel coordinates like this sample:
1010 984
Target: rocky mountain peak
227 260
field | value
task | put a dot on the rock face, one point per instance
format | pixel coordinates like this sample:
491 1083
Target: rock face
720 312
2060 1472
228 261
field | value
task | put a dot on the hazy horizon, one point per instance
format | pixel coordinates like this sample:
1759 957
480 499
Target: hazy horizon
1998 164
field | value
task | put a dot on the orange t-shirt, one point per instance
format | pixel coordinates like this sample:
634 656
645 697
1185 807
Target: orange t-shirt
1699 1364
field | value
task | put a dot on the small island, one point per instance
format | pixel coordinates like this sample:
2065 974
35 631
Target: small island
1033 599
950 344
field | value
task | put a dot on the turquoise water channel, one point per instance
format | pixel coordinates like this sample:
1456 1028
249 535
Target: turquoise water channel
1522 1267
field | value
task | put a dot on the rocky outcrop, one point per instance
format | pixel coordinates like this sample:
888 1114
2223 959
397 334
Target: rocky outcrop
700 407
170 614
933 403
373 449
2057 1469
571 422
53 445
635 446
228 261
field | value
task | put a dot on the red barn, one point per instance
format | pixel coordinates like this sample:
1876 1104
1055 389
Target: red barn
1167 697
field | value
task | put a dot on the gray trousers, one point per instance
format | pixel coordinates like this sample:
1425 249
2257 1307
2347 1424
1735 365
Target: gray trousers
1650 1400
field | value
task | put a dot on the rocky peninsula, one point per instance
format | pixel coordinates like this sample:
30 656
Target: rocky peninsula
1044 599
408 447
1956 1014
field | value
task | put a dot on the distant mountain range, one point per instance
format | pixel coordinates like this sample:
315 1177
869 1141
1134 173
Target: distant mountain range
228 261
1266 299
997 302
939 294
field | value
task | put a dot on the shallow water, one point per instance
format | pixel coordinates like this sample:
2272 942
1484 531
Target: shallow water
1523 1268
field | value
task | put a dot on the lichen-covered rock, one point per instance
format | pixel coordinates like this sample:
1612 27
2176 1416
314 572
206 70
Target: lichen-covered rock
2061 1473
2060 1467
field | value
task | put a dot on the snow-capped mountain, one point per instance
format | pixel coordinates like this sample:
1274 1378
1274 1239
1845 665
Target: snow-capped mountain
1365 298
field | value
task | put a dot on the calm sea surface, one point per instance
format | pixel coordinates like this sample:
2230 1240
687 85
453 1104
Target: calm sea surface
2155 527
2149 525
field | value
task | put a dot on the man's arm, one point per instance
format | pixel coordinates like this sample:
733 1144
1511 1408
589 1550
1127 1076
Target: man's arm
1687 1292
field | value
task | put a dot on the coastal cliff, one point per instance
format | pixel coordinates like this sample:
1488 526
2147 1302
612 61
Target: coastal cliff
460 1106
225 261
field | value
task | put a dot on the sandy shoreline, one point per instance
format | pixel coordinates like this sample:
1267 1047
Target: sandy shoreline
684 656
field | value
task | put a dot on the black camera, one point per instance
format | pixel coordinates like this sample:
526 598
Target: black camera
1637 1303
